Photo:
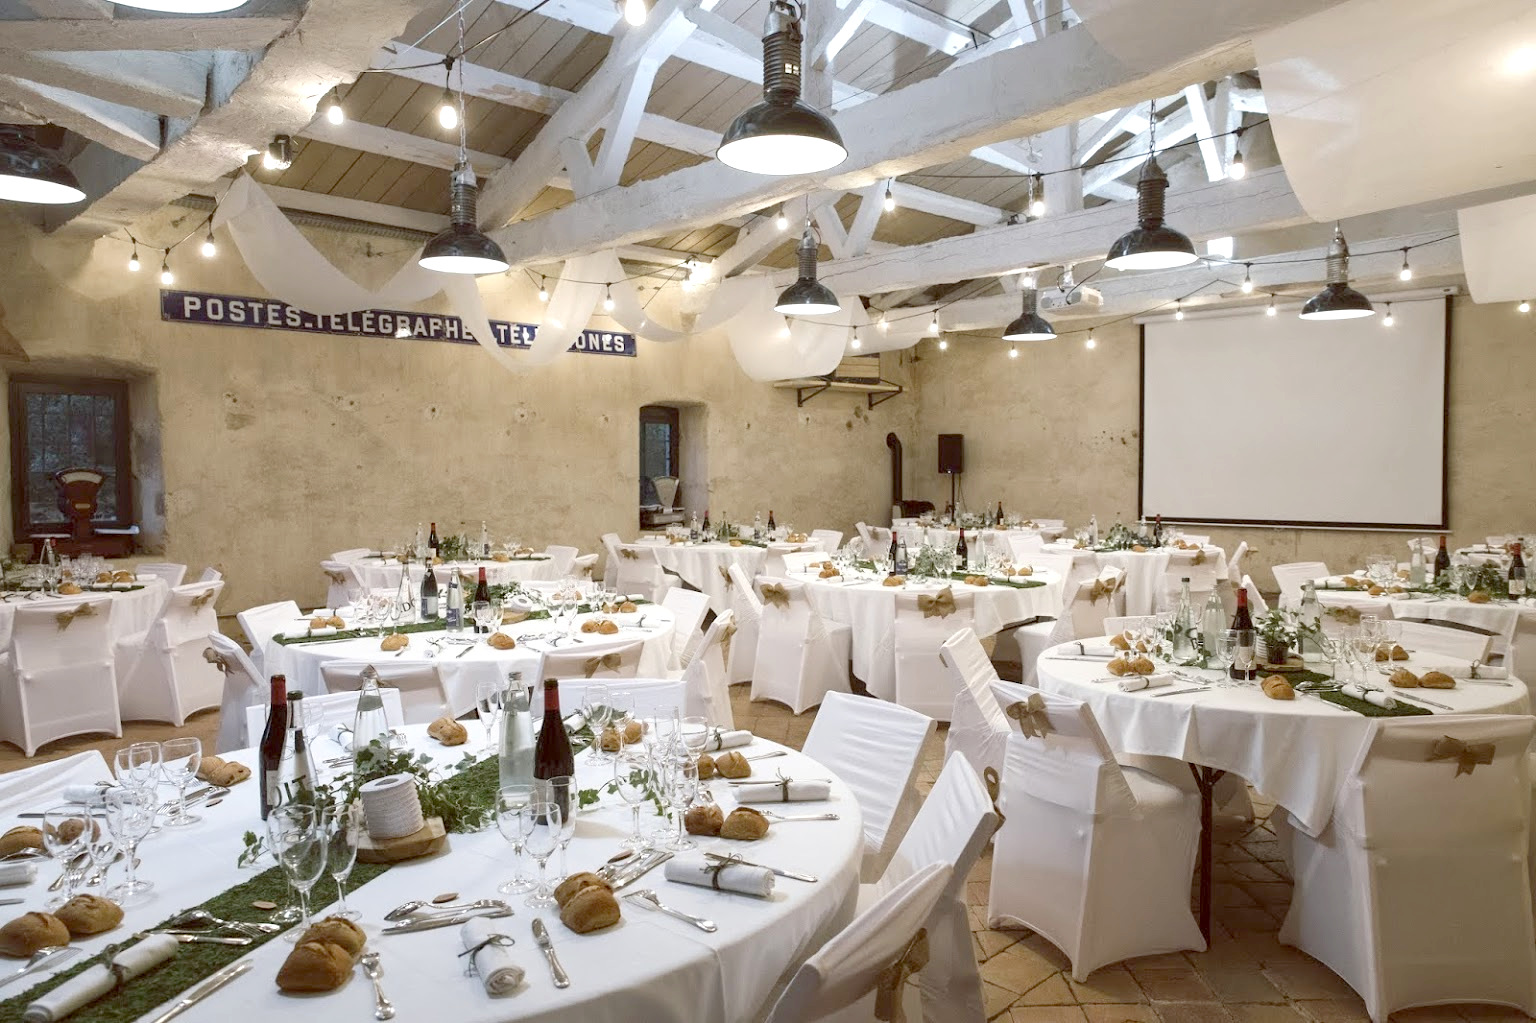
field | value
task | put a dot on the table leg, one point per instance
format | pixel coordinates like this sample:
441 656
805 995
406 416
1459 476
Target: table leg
1205 780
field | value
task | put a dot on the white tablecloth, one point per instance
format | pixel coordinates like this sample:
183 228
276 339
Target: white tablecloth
649 967
376 573
703 565
1499 617
133 611
869 608
1144 570
301 661
1297 752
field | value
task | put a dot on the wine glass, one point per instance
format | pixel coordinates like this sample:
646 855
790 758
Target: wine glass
561 791
179 759
485 615
65 830
300 842
278 818
543 837
621 704
343 828
514 822
597 710
130 815
694 731
632 777
491 703
138 765
682 788
1226 653
101 846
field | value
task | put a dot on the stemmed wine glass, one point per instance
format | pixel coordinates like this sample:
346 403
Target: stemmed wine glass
596 708
514 822
180 758
299 842
543 836
561 791
682 787
631 776
65 834
130 815
138 765
343 829
491 703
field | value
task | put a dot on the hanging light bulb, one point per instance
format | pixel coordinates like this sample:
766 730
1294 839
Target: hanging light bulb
32 174
209 248
1406 273
608 299
1013 352
279 154
1247 278
781 219
1178 310
1151 244
543 290
1389 320
807 296
462 248
1337 300
782 135
635 12
334 112
1524 306
885 326
1092 342
784 330
1238 170
1030 325
166 277
933 324
1037 195
1270 310
890 200
448 110
943 344
855 344
133 260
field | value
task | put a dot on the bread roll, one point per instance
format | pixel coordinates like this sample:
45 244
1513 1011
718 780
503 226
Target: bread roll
610 741
395 641
30 932
1142 666
589 626
1277 688
502 641
1119 666
1403 679
1437 680
591 909
19 838
566 889
448 732
336 622
704 819
744 825
315 966
68 589
1478 597
628 607
607 628
732 765
228 774
1119 642
85 915
337 930
894 580
706 767
633 730
319 622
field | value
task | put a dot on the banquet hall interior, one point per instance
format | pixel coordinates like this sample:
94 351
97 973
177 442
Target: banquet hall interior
699 511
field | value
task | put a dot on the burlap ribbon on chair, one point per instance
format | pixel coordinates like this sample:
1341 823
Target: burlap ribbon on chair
201 600
587 568
776 595
339 578
1030 714
1348 615
1466 754
725 642
67 618
608 662
625 552
725 574
893 979
1103 588
994 786
216 659
1199 557
940 605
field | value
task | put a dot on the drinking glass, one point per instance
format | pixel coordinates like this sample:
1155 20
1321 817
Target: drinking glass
102 846
1226 653
180 758
278 818
130 815
561 791
491 703
621 704
682 789
543 837
1364 641
1242 656
138 765
695 734
632 776
65 831
514 823
597 710
300 842
485 614
343 828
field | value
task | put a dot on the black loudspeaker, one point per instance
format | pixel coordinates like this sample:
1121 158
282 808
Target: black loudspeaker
951 452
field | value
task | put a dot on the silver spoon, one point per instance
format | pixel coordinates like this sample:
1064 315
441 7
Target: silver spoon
383 1009
202 918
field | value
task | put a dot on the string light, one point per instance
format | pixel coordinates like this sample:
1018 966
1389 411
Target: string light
1092 341
1406 273
1013 351
1271 310
279 154
166 277
209 248
781 219
855 344
1388 320
448 110
884 324
1524 306
333 109
635 12
133 260
890 200
933 324
943 344
543 290
608 299
1238 170
1247 278
1037 195
1178 310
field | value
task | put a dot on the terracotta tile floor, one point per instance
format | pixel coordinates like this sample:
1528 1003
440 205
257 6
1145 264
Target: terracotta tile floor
1246 977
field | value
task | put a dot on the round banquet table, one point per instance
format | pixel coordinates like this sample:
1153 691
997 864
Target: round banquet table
133 610
648 967
703 565
861 601
1496 617
301 662
1144 570
378 573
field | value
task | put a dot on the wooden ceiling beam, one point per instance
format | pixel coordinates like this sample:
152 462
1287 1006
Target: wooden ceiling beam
172 32
174 84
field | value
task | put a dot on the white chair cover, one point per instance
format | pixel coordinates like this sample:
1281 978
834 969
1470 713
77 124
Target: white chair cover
584 565
1289 578
828 539
875 748
1095 600
1235 564
562 560
635 570
210 575
322 715
563 664
170 679
1417 892
611 542
1024 547
422 695
1433 637
977 726
653 697
263 622
1181 566
801 657
172 573
38 787
839 981
864 534
61 680
1117 846
352 554
343 586
1033 639
880 536
708 688
1258 607
922 682
690 607
747 611
243 687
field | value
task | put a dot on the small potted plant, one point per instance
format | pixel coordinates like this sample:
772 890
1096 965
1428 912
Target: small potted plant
1277 634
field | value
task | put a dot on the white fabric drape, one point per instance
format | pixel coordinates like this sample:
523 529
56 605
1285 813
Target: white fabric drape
1496 249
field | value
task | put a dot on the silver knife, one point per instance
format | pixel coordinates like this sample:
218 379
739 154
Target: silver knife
1177 692
431 922
792 875
1422 701
626 878
541 935
203 990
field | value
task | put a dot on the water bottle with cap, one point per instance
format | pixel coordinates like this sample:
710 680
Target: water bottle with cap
516 752
1183 623
369 722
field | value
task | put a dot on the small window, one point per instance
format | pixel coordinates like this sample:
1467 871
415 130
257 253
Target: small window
659 440
68 423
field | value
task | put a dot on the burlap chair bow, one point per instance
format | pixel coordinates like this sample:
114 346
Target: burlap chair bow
725 574
1103 588
201 600
608 662
1031 716
940 605
1199 557
625 552
1467 755
65 619
725 642
893 979
776 595
587 568
994 784
216 659
1348 615
339 578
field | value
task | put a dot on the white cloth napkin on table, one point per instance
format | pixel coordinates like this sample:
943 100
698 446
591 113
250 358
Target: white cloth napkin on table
304 631
88 795
1463 670
773 792
1136 683
12 874
98 980
493 963
720 738
731 877
1375 696
1091 648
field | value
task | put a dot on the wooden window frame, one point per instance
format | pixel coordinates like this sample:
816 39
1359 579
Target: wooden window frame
21 386
668 415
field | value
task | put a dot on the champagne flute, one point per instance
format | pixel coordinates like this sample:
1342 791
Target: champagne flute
632 777
300 842
543 837
180 759
65 833
343 829
682 789
597 710
130 815
491 703
560 790
514 823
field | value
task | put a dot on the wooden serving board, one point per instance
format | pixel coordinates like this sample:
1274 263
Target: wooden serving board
432 838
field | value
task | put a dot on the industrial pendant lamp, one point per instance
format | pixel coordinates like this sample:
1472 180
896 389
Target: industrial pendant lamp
1337 300
807 296
1030 326
782 135
31 174
1151 244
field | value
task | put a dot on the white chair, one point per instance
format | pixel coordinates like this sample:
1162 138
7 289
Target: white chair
709 689
591 661
797 562
611 543
172 574
323 715
1258 607
651 697
689 607
61 680
25 788
584 565
352 554
263 622
422 696
1024 547
1289 578
880 537
1417 892
1181 566
952 829
343 585
977 727
562 560
875 748
1095 599
1117 845
922 683
1443 638
170 679
1034 638
210 575
801 656
748 613
840 982
243 688
1235 564
864 534
828 539
635 570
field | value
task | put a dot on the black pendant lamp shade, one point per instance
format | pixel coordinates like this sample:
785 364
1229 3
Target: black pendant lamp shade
1030 326
782 135
462 248
1151 244
807 296
32 174
1337 300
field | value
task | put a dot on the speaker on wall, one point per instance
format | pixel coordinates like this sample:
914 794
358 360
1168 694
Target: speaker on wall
951 452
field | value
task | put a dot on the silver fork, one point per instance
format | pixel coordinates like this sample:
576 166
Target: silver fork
800 817
650 898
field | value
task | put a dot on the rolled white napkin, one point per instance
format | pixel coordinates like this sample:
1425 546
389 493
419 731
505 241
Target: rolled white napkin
89 795
733 877
773 792
1094 648
1136 683
1463 670
493 963
304 631
12 874
321 612
124 586
720 738
98 980
1375 696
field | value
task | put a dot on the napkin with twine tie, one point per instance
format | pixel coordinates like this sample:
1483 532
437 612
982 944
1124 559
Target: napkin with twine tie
724 875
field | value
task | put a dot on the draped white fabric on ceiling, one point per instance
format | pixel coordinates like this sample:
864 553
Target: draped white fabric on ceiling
1496 249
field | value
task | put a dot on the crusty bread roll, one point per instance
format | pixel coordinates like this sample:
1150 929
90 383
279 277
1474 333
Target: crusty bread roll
589 626
1277 688
336 622
610 741
89 914
1437 680
732 765
575 883
1119 642
744 825
226 773
68 589
628 607
607 627
18 838
1403 678
448 732
502 641
336 930
591 909
30 932
633 730
315 966
894 580
704 819
395 641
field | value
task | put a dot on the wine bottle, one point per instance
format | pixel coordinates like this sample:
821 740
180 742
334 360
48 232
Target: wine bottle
432 544
482 592
428 593
1516 572
552 755
453 614
1442 561
1183 623
771 526
895 551
999 514
301 785
706 523
1243 655
516 753
271 753
1157 531
961 553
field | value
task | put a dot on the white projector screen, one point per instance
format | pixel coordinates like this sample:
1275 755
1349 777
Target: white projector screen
1275 420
